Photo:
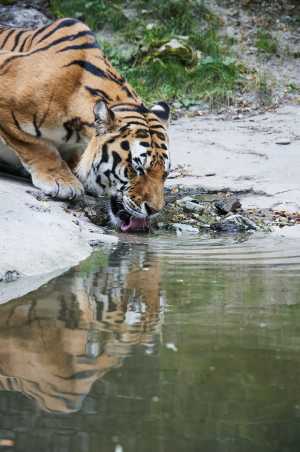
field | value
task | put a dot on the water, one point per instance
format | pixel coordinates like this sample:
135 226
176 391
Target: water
159 344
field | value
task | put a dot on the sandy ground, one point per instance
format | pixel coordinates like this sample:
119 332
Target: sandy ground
241 155
40 239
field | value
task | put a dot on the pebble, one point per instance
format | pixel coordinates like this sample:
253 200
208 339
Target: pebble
10 276
227 205
191 204
184 229
171 346
283 141
234 223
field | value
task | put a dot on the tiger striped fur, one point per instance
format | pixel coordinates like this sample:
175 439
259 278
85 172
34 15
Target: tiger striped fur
75 124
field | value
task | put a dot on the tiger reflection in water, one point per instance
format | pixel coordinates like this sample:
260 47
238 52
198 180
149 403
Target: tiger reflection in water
55 343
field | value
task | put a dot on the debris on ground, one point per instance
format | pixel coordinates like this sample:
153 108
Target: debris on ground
201 213
10 276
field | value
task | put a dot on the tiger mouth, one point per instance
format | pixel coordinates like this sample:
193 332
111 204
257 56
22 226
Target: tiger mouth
125 220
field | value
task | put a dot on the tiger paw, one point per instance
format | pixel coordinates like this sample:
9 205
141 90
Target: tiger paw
60 186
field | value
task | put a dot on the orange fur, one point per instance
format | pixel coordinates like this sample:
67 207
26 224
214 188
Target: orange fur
53 79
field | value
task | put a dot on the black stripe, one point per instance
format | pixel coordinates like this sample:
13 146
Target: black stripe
137 109
110 72
159 134
94 70
24 44
142 133
122 106
62 24
69 131
72 37
154 119
17 39
86 45
38 31
88 67
37 130
98 92
99 180
116 160
133 117
162 146
158 126
135 123
7 38
17 124
48 46
104 156
127 91
125 145
130 104
80 375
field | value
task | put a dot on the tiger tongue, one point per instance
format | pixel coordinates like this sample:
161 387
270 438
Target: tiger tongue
135 224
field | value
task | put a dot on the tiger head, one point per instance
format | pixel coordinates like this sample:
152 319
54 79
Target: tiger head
128 160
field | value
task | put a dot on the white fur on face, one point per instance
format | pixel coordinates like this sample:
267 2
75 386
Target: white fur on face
140 160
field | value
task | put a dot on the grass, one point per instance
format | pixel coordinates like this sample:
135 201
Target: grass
266 43
202 68
95 13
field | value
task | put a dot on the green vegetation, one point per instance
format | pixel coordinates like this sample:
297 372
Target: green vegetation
293 88
266 43
167 50
95 261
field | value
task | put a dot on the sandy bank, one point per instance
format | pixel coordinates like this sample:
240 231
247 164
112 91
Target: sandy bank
258 155
39 239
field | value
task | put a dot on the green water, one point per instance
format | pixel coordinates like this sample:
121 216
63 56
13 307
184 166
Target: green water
158 344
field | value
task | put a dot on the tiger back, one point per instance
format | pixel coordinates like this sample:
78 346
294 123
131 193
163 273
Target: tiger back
73 123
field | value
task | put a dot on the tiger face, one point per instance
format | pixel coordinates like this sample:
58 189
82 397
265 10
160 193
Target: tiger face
128 160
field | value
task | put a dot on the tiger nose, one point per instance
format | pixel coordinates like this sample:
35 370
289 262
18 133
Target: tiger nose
150 210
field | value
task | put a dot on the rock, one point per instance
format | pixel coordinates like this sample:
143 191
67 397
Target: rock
10 276
191 204
226 205
95 243
234 223
178 49
184 229
198 107
283 141
20 16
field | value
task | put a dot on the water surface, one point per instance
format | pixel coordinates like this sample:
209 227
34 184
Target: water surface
158 344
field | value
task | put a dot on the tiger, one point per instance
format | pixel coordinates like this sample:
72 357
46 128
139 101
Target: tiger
74 124
55 343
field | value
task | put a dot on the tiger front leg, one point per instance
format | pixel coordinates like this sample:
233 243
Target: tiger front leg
49 172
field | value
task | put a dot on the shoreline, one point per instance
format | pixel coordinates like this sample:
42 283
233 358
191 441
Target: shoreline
41 238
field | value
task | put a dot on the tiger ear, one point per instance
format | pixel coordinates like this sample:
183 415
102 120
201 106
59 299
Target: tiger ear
162 111
104 117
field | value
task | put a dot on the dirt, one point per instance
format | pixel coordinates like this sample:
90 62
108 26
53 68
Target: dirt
194 212
279 71
250 157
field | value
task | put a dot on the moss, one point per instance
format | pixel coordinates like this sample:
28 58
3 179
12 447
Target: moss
7 2
207 72
266 43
